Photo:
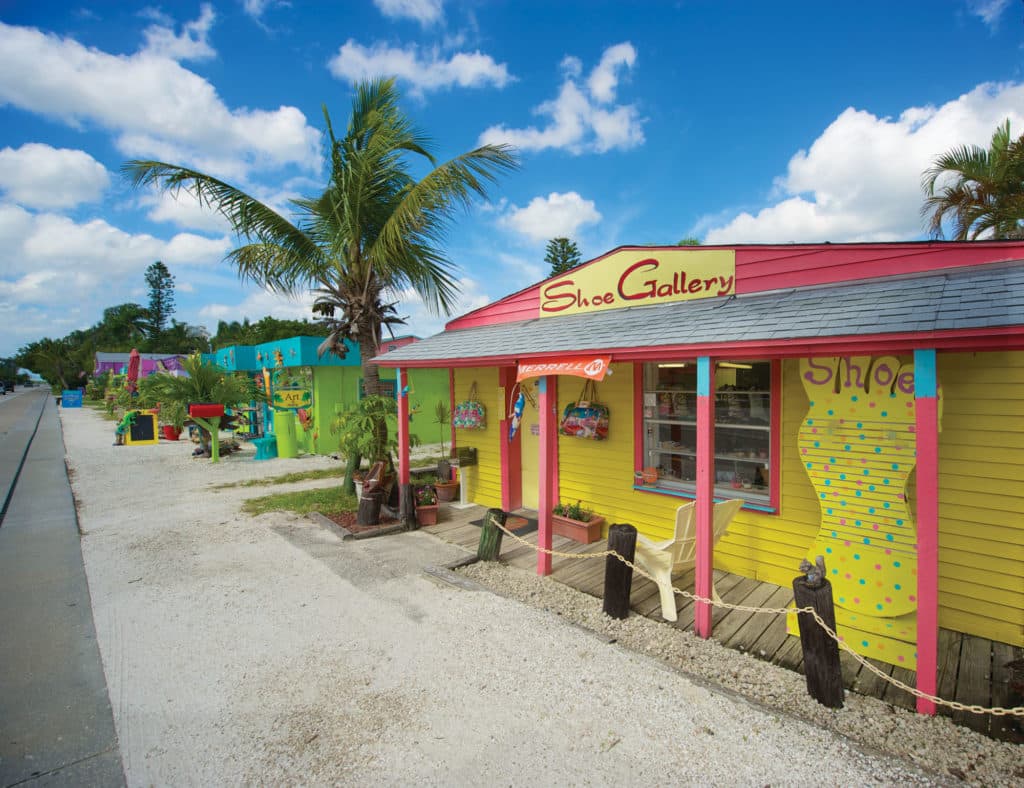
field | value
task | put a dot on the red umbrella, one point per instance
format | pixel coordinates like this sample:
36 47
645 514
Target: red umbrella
134 361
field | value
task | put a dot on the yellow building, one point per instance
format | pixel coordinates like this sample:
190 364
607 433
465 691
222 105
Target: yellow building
866 401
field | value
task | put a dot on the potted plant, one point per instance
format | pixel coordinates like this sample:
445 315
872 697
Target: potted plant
366 430
202 383
426 504
574 522
445 486
172 417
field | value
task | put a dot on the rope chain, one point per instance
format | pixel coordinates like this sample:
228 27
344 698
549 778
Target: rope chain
997 711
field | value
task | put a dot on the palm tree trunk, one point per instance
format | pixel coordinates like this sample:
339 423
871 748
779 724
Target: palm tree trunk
371 377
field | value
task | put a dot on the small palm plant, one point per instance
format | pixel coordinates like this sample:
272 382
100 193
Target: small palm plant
205 383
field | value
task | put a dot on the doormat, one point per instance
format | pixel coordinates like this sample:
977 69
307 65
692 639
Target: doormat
520 526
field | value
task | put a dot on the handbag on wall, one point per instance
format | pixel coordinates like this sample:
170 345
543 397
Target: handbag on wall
586 418
470 414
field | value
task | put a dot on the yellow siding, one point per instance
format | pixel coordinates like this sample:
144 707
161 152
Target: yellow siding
981 495
981 483
483 481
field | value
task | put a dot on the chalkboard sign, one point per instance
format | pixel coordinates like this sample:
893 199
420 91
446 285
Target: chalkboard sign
143 430
71 398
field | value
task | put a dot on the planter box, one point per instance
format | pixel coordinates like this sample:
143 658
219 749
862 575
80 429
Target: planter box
205 410
446 491
577 531
171 432
427 515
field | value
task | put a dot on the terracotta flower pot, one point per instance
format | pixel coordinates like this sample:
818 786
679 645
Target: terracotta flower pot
427 514
576 530
446 491
171 433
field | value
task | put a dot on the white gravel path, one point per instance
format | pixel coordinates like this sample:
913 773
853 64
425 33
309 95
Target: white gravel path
264 650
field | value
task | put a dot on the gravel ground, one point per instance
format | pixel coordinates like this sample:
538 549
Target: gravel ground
934 743
264 650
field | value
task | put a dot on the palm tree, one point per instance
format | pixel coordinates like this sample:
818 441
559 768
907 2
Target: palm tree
374 230
982 191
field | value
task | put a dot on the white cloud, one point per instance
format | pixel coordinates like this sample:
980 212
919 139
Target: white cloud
156 107
95 251
988 11
59 275
191 44
426 12
861 179
40 176
582 119
557 215
424 71
257 305
256 8
604 79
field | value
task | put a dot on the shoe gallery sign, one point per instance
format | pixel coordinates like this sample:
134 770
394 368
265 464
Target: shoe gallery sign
639 277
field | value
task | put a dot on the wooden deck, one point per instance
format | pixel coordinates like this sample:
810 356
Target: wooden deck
971 670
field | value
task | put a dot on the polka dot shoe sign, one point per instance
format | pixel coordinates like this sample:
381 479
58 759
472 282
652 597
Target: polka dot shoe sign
858 448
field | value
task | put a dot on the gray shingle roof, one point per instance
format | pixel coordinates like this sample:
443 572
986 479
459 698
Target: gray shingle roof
980 297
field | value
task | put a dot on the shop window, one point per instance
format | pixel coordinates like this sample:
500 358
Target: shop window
743 429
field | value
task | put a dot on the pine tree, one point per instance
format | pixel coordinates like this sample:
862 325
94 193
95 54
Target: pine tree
562 255
161 298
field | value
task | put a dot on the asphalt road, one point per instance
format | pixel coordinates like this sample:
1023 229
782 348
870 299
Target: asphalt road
56 725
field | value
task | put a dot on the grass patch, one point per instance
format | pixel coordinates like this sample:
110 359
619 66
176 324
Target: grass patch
287 478
329 500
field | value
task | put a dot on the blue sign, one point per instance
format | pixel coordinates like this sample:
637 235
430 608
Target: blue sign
71 398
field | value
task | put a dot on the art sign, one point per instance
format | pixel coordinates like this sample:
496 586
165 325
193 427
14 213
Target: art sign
640 277
293 398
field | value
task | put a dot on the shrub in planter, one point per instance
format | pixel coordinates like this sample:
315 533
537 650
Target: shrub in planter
575 522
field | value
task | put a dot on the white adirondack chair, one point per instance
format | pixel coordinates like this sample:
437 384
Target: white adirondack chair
664 559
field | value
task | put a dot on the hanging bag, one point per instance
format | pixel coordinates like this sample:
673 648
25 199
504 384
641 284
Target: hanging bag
470 414
586 418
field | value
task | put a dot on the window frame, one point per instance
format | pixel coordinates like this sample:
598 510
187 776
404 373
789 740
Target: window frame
774 432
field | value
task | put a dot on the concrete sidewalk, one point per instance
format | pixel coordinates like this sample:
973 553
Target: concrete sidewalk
56 726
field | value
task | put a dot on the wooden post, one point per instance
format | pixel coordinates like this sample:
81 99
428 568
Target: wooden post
490 535
407 508
821 652
369 508
618 578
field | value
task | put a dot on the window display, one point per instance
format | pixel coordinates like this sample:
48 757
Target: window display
742 427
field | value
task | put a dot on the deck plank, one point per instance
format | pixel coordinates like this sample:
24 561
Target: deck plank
974 681
898 697
736 620
790 656
1005 694
748 637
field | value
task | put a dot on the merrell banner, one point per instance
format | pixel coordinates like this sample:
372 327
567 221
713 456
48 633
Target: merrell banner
592 367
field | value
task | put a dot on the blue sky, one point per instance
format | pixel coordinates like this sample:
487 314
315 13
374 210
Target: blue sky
637 123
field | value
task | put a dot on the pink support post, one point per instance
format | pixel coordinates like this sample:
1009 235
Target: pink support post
403 426
705 494
451 405
548 493
927 431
